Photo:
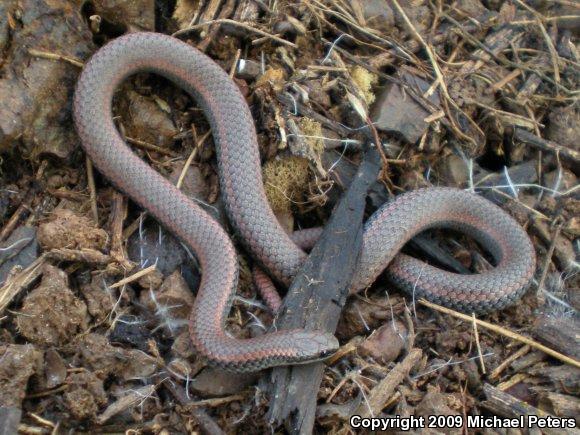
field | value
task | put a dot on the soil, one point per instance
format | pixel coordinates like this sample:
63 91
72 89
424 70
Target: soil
95 295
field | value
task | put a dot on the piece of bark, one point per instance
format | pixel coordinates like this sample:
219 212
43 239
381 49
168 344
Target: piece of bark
561 334
384 390
505 405
563 377
562 405
531 139
317 297
207 425
343 172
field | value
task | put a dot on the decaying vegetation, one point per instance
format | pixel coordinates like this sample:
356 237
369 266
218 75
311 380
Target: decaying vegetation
94 296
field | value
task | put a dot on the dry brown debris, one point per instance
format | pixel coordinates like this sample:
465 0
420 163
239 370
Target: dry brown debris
480 95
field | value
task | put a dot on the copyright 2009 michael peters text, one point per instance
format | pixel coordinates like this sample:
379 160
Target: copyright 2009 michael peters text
459 421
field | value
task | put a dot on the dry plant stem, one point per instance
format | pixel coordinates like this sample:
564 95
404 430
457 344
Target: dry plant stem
84 255
478 345
24 206
92 189
210 13
504 61
548 259
506 363
119 214
383 391
149 146
190 158
440 78
503 331
133 398
18 282
55 56
133 277
218 401
237 24
133 226
206 423
547 145
553 53
22 209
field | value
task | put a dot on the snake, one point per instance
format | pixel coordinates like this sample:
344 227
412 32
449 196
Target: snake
248 210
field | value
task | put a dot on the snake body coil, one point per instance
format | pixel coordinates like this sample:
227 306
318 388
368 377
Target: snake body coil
248 209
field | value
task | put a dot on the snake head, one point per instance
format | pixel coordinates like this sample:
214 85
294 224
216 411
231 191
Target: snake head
312 346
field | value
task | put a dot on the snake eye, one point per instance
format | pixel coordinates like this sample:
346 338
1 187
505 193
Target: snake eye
327 353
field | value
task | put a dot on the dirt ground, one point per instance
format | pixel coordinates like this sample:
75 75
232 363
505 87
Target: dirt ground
94 295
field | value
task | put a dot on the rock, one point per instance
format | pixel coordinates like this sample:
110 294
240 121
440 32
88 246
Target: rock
85 395
397 112
69 230
51 314
385 343
145 120
564 127
17 364
171 303
36 93
134 15
213 382
54 369
20 249
248 69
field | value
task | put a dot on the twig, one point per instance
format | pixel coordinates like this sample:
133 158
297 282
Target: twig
180 33
55 56
218 401
381 393
133 277
546 145
503 331
478 345
149 146
510 359
92 190
548 259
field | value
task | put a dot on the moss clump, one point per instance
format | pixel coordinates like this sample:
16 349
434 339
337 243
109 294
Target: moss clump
365 81
285 181
313 129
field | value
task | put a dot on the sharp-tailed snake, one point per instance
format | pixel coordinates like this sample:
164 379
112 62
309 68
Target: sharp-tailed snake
238 157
